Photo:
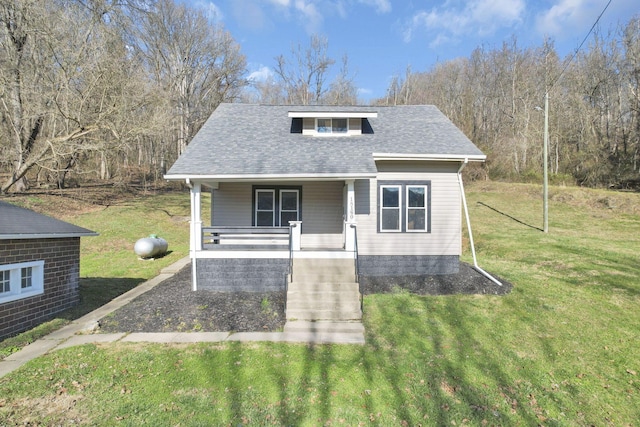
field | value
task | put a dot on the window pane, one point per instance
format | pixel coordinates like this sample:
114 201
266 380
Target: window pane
26 277
285 217
391 197
391 219
289 200
416 219
416 197
5 280
265 201
264 219
339 125
324 125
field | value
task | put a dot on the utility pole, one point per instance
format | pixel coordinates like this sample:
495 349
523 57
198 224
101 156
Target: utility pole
545 177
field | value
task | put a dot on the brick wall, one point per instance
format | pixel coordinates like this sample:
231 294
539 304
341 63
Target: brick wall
61 276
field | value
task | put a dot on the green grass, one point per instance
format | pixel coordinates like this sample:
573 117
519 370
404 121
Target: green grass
561 349
108 266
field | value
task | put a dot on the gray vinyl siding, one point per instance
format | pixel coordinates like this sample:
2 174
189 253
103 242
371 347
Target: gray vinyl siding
322 214
322 210
231 205
445 235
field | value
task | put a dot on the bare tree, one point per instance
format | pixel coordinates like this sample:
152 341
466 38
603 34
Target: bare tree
304 73
342 90
196 65
57 65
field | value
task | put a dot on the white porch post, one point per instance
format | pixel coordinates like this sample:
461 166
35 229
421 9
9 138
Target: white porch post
296 231
195 238
350 219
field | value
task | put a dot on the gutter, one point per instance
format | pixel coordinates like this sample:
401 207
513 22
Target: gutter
466 213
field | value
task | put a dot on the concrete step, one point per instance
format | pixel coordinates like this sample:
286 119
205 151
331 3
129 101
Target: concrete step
323 327
319 314
323 270
320 297
325 287
337 305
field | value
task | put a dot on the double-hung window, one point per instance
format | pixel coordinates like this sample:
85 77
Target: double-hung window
21 280
404 206
390 207
276 206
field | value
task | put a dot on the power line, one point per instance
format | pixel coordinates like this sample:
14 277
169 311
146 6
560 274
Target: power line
580 46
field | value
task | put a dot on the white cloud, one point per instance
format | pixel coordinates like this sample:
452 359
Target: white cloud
310 14
211 10
566 15
262 74
381 6
457 18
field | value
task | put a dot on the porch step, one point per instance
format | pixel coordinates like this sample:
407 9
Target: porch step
323 270
324 327
323 289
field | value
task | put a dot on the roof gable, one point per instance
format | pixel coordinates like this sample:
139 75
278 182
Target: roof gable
259 141
21 223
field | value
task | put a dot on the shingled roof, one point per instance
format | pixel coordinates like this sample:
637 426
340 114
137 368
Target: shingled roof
21 223
249 140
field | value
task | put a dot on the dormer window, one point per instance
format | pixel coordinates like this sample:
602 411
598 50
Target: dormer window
332 126
339 122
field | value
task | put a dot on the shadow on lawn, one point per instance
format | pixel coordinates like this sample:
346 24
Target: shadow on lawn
96 292
443 367
510 217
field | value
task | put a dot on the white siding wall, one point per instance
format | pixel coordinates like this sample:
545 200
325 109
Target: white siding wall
445 236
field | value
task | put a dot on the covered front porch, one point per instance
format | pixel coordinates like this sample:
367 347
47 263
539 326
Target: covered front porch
266 225
274 216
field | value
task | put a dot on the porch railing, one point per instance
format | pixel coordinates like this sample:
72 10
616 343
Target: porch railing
245 236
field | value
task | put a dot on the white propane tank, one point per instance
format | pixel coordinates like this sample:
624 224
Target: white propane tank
150 247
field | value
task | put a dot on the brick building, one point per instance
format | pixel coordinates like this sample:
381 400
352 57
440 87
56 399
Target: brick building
39 267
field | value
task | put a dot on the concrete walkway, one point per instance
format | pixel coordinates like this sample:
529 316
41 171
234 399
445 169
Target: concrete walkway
80 331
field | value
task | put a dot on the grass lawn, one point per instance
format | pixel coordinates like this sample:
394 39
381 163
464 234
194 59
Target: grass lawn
561 349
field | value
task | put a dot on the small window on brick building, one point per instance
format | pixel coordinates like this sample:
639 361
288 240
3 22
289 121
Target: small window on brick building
22 280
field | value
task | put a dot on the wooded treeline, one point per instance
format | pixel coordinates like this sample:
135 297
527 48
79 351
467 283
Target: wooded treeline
496 96
115 90
106 88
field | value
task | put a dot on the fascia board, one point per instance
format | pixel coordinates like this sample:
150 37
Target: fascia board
430 157
271 177
44 236
334 115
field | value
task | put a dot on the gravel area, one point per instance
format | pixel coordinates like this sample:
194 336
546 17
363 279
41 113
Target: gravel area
171 306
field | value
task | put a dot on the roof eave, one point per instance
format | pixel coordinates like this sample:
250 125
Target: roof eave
270 177
23 236
431 157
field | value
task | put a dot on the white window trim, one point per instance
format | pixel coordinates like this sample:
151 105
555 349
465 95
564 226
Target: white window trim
424 208
398 208
16 291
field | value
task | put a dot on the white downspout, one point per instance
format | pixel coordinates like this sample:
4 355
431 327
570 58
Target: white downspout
466 213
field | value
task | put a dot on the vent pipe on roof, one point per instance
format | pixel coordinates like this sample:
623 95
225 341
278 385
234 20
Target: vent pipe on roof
466 213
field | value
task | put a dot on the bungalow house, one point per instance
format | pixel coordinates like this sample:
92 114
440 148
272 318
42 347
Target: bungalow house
39 267
303 195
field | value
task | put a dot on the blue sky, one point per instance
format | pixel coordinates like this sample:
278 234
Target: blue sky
383 37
